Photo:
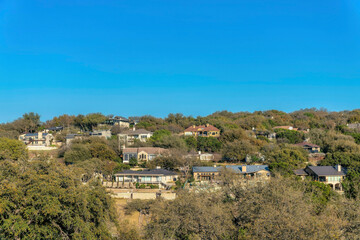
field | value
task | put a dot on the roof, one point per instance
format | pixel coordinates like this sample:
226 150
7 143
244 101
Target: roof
162 172
149 150
306 144
55 128
34 134
72 135
206 127
206 169
120 118
135 132
249 168
236 168
326 171
300 172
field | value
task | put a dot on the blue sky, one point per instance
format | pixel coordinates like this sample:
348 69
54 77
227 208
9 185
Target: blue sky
194 57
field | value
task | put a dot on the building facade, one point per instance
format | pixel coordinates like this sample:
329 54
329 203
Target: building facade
128 138
37 139
249 172
142 153
162 177
331 175
202 131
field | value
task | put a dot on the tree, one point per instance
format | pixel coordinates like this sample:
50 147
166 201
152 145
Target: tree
237 150
286 159
12 149
208 144
46 200
191 216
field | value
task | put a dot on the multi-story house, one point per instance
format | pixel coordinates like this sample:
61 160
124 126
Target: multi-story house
119 121
248 172
331 175
142 153
161 177
127 138
202 131
37 139
309 147
101 133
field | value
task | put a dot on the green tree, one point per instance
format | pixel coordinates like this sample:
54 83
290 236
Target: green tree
46 200
12 149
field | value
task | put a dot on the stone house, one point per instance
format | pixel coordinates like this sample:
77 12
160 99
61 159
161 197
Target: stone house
37 139
142 153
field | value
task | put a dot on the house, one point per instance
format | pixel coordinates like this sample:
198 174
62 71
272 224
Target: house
142 153
37 139
70 137
331 175
201 156
54 129
118 121
101 133
202 131
286 128
309 147
154 176
249 172
128 137
267 134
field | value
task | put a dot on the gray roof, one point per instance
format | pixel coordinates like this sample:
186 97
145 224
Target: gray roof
326 171
300 172
34 134
163 172
206 169
236 168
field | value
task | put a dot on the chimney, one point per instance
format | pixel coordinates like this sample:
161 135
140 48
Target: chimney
338 167
40 135
199 152
194 126
134 128
215 165
243 168
207 124
158 167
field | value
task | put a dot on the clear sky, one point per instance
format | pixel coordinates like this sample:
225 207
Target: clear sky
195 57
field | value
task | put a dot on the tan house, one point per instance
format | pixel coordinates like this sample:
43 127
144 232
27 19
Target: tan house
202 131
162 177
208 157
331 175
118 121
142 153
249 172
128 137
37 139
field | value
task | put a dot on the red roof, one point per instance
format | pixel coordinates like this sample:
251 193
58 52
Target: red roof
206 127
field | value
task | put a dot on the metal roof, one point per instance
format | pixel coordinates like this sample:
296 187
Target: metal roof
236 168
326 171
